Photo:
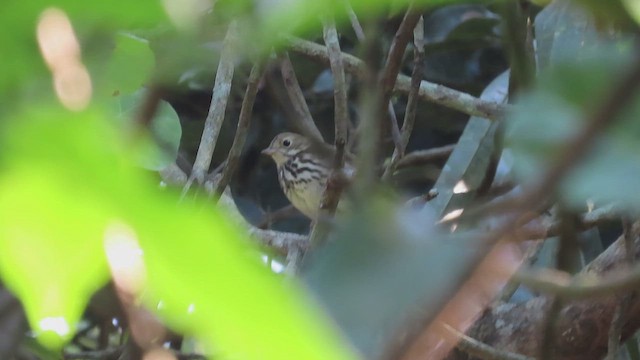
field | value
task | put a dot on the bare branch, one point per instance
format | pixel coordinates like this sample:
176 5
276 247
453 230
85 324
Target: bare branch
244 120
583 326
215 117
412 102
333 189
304 119
481 350
421 157
621 312
355 24
281 242
389 74
429 91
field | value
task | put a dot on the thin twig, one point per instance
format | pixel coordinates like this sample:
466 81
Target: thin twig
304 118
548 335
544 229
529 258
393 123
567 247
481 350
215 117
369 128
429 91
575 149
333 190
389 74
518 43
579 287
421 157
596 123
619 315
278 241
412 101
391 69
244 120
355 24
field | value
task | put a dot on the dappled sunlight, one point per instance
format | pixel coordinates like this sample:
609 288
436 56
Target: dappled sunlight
460 188
58 325
124 256
61 52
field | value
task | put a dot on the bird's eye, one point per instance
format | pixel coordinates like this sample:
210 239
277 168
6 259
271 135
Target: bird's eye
286 142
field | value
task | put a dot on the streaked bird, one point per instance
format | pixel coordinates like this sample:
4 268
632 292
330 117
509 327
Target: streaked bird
303 170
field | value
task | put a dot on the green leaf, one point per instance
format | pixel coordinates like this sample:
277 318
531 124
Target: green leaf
65 181
466 167
161 148
130 65
55 187
19 19
206 280
554 112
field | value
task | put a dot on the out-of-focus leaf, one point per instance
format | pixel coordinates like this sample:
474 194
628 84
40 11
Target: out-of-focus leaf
384 266
212 284
65 181
565 31
633 7
56 181
162 149
19 19
611 13
457 23
546 118
466 167
129 66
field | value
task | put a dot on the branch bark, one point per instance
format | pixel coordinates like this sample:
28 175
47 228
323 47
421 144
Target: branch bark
429 91
582 325
215 117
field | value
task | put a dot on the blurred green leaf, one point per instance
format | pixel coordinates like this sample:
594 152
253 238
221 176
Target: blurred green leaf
56 179
211 283
466 167
158 151
385 266
65 181
545 119
566 31
130 65
19 19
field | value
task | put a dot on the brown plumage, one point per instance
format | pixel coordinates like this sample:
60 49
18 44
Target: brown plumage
303 170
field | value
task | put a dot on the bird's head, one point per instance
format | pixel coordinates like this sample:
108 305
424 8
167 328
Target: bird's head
286 145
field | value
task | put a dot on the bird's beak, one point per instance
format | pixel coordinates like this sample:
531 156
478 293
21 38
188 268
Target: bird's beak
268 152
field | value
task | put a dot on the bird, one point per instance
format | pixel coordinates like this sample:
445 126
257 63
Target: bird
304 166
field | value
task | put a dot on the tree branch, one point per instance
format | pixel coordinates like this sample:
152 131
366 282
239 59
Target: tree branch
304 118
215 117
243 126
582 326
333 189
429 91
412 101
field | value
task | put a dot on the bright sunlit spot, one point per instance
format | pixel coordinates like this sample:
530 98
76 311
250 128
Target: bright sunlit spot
277 267
191 308
125 257
460 188
452 215
590 205
159 354
61 52
185 13
56 324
